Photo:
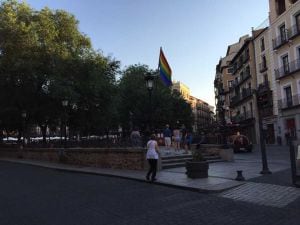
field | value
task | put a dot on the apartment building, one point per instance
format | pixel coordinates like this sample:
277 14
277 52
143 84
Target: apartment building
285 33
242 95
266 86
202 111
224 81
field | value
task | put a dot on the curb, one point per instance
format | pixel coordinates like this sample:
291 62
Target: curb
75 170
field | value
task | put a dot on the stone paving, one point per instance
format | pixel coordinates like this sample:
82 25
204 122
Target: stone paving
263 194
31 195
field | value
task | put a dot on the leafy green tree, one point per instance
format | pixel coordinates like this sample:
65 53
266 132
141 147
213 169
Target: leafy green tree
166 106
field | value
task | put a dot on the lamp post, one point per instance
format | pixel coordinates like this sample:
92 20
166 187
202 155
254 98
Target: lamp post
149 78
65 104
223 121
23 115
265 169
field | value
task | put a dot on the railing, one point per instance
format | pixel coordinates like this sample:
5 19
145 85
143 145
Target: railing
288 69
263 67
246 92
289 102
265 112
280 40
263 87
295 30
243 116
246 57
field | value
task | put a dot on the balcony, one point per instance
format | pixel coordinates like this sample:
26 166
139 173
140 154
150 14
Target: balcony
280 40
266 112
288 103
263 87
246 92
289 69
263 67
242 117
295 31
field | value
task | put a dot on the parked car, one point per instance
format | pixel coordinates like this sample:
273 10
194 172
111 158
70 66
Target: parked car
240 143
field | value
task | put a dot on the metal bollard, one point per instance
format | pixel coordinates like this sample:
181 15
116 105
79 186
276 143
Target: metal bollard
240 175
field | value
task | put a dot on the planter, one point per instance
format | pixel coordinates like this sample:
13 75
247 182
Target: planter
197 169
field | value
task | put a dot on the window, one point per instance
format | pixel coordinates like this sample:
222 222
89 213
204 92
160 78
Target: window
282 33
288 96
263 62
265 78
230 83
262 44
280 6
244 112
230 70
242 76
285 64
249 85
297 19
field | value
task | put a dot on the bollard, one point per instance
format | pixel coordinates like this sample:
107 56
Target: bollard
240 175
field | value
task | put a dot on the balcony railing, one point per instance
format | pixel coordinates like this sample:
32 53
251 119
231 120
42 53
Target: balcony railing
263 87
288 69
295 31
242 117
280 40
246 92
265 112
287 103
263 67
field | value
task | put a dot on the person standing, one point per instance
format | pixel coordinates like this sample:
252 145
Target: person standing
176 135
152 157
135 137
167 136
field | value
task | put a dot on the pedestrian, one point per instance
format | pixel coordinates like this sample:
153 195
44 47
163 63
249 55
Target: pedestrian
287 137
135 137
189 139
167 136
176 135
152 157
183 136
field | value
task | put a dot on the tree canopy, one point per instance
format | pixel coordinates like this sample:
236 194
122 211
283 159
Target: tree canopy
45 59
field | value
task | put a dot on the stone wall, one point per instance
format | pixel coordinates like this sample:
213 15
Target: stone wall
116 158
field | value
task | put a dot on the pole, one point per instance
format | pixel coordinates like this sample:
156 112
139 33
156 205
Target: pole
150 113
265 169
293 160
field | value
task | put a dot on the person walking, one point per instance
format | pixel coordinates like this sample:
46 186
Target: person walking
167 136
152 157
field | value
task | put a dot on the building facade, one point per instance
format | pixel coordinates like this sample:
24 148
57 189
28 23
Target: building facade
285 34
202 111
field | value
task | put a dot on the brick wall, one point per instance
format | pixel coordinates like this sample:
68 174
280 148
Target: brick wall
127 158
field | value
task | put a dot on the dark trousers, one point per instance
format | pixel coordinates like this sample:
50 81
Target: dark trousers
152 169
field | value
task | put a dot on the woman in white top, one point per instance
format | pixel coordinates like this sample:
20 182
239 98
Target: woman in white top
152 157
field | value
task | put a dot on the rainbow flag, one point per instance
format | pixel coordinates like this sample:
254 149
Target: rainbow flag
164 69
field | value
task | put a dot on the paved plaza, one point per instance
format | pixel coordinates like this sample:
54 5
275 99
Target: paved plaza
47 193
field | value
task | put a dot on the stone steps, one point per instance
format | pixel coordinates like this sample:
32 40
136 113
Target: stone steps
175 161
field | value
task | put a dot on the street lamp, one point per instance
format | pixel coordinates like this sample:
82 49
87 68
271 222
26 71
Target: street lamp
222 111
265 169
23 115
65 104
149 78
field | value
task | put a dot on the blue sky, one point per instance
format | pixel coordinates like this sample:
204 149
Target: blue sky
194 34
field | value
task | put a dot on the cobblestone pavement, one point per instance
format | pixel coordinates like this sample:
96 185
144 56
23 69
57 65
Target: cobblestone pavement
37 196
263 194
